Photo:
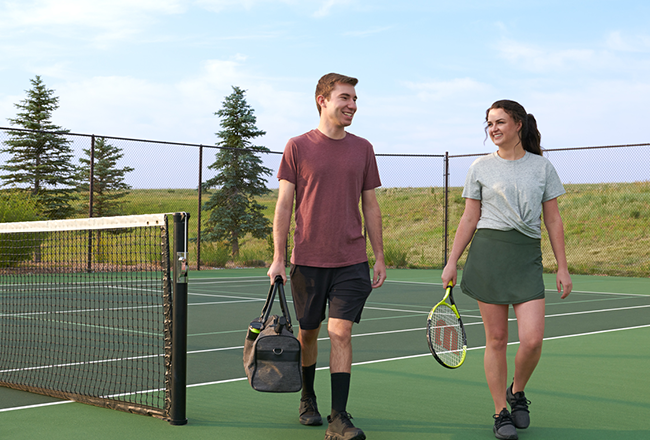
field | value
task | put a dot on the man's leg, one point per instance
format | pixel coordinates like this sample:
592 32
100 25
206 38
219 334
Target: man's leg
309 345
340 333
340 427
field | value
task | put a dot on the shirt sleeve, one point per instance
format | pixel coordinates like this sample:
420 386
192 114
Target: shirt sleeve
288 169
472 188
371 179
554 187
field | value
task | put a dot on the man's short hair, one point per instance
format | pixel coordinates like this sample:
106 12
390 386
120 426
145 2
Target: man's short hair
327 83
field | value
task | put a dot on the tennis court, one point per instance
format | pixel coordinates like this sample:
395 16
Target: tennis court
591 383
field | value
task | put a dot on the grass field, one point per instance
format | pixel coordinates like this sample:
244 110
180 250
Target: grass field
607 226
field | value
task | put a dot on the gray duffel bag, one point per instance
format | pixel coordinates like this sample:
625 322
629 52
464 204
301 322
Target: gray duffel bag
271 351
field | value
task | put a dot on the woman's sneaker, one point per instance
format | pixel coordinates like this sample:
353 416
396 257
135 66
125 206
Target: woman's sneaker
341 428
503 426
519 408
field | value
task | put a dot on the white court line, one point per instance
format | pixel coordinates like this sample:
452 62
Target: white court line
38 405
548 290
429 354
240 379
417 329
225 302
598 311
391 359
229 280
214 295
422 312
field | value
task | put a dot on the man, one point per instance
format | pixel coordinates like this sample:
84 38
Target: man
329 170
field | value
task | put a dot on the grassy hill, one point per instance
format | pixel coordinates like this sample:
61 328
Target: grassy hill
607 226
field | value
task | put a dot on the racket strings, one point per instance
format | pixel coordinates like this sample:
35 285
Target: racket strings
445 335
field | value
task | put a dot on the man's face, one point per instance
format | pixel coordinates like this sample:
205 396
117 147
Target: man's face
341 106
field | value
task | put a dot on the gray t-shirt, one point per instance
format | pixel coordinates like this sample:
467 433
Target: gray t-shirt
512 191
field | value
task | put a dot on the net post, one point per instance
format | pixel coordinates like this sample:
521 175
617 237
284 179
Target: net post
179 321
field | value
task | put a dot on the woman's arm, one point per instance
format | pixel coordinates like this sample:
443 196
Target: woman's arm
555 228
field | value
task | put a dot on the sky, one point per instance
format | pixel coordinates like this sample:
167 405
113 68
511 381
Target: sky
427 69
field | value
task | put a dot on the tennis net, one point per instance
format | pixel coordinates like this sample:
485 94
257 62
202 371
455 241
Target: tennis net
86 311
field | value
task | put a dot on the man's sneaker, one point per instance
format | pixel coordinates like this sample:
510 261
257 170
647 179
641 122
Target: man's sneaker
503 426
341 428
519 408
309 414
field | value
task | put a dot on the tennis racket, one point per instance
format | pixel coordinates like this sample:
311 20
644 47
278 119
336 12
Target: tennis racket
445 332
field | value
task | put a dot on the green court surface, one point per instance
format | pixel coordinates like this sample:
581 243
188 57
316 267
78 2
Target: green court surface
592 381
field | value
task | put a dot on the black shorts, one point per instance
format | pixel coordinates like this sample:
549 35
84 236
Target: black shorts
344 288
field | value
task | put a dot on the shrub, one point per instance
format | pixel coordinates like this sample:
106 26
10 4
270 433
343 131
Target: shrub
17 206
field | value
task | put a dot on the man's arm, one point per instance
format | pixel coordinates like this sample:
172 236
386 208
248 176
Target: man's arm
281 223
372 217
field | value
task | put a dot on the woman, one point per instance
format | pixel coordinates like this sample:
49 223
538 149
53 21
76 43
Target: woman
506 192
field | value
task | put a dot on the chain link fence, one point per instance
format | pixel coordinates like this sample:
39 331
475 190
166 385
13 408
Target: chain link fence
606 210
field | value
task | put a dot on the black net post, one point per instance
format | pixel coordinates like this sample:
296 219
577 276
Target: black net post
179 321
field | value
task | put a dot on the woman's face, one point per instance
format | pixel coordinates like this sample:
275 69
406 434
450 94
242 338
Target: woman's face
502 129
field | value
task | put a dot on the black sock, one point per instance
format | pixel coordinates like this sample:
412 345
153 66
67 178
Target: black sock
308 376
340 391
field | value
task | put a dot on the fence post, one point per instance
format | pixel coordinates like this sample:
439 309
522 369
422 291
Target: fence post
198 215
91 190
446 211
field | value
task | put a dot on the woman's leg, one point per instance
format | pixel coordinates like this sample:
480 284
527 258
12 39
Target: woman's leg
495 320
530 321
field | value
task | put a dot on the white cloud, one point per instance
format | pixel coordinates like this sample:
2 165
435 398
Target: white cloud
455 88
600 112
617 41
113 19
328 5
182 111
97 12
8 109
368 32
324 7
541 59
220 5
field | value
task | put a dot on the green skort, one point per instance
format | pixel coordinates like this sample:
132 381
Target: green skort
503 267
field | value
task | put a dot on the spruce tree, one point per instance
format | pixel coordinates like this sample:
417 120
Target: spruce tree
108 180
234 211
40 161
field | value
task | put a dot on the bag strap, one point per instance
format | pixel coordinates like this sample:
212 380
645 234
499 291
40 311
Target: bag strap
266 310
283 303
277 286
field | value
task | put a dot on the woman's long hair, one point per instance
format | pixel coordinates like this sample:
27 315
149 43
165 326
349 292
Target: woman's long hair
531 138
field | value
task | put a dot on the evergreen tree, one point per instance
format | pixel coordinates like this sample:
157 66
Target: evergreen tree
233 209
108 180
40 161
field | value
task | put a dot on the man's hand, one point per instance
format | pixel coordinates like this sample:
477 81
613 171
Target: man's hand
277 268
378 274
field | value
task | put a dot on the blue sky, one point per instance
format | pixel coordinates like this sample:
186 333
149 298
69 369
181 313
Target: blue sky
159 69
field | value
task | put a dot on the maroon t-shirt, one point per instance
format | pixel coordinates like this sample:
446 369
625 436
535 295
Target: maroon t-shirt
329 175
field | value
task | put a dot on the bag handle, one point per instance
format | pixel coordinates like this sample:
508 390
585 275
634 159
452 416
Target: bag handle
278 286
